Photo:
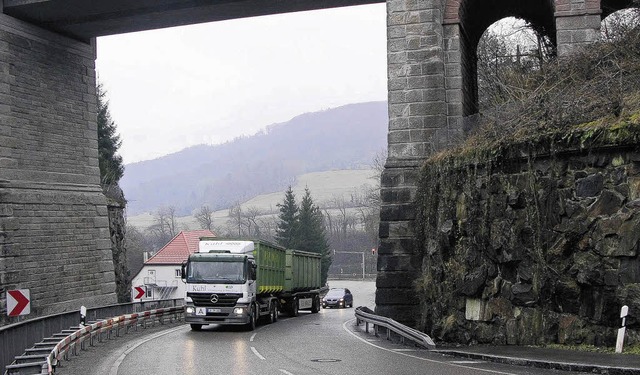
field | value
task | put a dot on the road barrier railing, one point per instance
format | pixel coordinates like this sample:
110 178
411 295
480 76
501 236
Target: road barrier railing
15 339
364 314
91 331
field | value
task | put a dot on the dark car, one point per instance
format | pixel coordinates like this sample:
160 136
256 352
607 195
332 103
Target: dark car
337 297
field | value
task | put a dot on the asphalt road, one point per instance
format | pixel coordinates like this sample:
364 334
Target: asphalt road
325 343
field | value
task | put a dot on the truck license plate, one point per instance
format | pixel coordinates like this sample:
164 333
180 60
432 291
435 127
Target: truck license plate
213 310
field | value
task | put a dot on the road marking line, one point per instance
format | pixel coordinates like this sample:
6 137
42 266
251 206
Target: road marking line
118 362
252 337
257 354
344 326
466 362
285 372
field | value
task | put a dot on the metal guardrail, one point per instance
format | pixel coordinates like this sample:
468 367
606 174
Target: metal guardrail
17 337
364 314
71 342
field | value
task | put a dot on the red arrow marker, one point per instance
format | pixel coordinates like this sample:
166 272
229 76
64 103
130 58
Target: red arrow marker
21 302
141 292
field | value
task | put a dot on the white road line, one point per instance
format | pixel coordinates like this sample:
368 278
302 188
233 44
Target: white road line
118 362
256 353
285 372
252 337
344 326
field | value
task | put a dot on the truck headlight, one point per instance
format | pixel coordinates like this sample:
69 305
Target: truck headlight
238 311
190 310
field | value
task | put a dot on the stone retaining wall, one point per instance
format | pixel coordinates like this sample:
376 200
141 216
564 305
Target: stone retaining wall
531 244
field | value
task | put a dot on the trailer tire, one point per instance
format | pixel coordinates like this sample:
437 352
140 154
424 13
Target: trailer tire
273 313
294 307
196 327
315 306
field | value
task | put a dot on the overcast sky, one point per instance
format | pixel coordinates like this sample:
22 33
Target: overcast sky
209 83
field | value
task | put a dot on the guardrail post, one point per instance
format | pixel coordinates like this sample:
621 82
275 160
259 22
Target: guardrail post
83 315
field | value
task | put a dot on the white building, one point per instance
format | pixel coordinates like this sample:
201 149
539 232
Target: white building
160 276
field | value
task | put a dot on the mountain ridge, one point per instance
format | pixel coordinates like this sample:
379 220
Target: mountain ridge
346 137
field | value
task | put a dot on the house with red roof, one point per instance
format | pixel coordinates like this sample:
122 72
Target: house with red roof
160 276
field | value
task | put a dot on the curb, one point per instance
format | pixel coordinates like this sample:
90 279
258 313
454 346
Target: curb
564 366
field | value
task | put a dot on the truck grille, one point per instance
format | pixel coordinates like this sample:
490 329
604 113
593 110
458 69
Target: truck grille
224 299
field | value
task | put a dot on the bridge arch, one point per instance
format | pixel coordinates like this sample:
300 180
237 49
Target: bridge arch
609 7
473 17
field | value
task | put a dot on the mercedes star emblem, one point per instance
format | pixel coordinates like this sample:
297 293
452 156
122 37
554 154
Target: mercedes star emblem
214 298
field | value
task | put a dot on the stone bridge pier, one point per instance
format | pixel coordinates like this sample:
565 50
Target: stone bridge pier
432 86
54 227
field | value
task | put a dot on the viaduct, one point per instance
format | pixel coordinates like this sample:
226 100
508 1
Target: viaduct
54 227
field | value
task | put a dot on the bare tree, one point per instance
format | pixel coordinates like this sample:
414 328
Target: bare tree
164 227
235 219
250 221
204 216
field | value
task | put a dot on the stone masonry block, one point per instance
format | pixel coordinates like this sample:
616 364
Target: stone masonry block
397 212
396 263
398 123
435 121
390 279
394 6
401 136
401 229
396 296
407 314
398 195
400 177
435 95
393 246
421 135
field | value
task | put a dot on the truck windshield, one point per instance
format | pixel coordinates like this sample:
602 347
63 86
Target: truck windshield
216 272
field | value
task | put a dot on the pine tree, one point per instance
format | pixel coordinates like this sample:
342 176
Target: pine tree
288 224
311 235
110 163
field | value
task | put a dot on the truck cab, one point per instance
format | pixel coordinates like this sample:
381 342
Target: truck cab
221 284
233 282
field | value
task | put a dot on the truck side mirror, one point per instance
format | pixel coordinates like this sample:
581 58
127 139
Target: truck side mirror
253 271
183 271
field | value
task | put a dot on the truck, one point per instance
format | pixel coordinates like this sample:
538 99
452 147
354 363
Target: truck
238 282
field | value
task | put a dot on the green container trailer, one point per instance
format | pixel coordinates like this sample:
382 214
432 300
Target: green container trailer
303 271
240 281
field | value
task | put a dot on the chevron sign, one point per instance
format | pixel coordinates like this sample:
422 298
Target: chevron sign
18 302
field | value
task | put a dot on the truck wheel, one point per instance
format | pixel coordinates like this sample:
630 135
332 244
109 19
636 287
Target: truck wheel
276 311
196 327
294 307
252 319
315 306
272 313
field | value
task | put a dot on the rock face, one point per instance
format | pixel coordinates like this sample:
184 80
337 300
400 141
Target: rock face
532 244
116 204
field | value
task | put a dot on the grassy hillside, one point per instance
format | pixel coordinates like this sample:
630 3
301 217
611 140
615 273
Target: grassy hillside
324 186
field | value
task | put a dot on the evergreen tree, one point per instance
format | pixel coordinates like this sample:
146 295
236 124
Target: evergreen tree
311 235
288 224
110 163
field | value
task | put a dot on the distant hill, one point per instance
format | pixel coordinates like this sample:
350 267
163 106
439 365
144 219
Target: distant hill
324 187
347 137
